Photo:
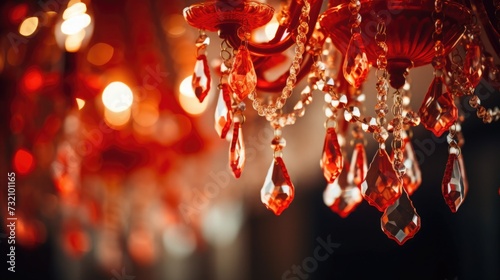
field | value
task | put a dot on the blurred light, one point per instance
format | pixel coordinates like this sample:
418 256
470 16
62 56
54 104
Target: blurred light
100 54
146 114
76 241
222 223
23 162
188 100
117 97
74 10
18 13
33 79
80 103
30 233
75 24
175 26
270 28
179 240
74 42
28 26
16 123
116 119
141 246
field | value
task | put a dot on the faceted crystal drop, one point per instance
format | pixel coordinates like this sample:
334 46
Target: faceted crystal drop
201 77
356 64
438 111
332 160
237 151
473 67
223 111
341 196
381 186
454 185
412 177
242 77
358 168
400 221
278 191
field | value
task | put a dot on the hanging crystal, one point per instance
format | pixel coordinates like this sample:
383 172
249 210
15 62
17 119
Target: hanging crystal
237 151
400 221
454 186
332 160
358 168
382 185
412 178
438 111
223 112
356 63
201 78
473 68
242 77
278 191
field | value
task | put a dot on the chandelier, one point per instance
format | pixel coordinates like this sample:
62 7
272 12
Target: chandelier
391 36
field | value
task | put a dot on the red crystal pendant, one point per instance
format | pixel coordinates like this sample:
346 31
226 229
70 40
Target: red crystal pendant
400 221
382 186
413 176
454 185
201 78
358 168
223 112
242 76
356 63
332 161
438 111
278 191
473 67
237 151
342 196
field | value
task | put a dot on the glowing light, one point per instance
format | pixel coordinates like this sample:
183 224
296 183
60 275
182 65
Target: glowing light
74 10
74 42
188 99
116 119
146 114
80 103
180 241
117 97
28 26
23 162
33 79
100 54
270 28
75 24
174 26
18 13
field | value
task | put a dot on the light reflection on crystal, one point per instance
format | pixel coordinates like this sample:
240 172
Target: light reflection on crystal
332 161
454 186
278 191
242 77
400 221
356 63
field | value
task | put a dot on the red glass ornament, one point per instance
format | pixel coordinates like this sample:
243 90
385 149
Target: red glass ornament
400 221
356 63
278 190
201 78
359 167
454 186
473 68
332 161
438 111
237 151
242 77
223 118
382 186
412 178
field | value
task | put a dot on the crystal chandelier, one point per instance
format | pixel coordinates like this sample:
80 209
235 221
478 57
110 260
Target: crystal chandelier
389 35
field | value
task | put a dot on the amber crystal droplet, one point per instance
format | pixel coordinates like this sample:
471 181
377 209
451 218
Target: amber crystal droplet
223 112
278 191
359 167
341 196
201 78
237 151
438 111
356 63
473 68
382 185
332 161
242 77
400 221
454 185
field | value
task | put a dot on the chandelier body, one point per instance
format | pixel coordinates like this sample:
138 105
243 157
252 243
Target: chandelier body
389 35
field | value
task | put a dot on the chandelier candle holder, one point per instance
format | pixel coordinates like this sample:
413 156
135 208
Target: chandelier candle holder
391 35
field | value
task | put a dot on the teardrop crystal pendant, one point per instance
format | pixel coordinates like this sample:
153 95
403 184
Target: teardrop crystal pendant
223 112
201 78
438 111
278 191
382 186
332 161
473 68
341 196
400 221
454 187
242 77
413 176
237 151
359 167
356 63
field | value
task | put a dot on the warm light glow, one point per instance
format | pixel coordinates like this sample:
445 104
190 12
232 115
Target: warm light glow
174 26
32 80
270 28
74 42
100 54
75 24
179 241
188 99
74 10
18 13
116 119
80 103
28 26
117 97
146 114
23 162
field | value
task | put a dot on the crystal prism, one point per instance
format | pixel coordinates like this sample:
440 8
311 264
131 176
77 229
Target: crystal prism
332 161
223 112
382 186
473 68
400 221
242 77
341 196
412 178
278 191
358 168
237 151
438 111
356 63
454 185
201 78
